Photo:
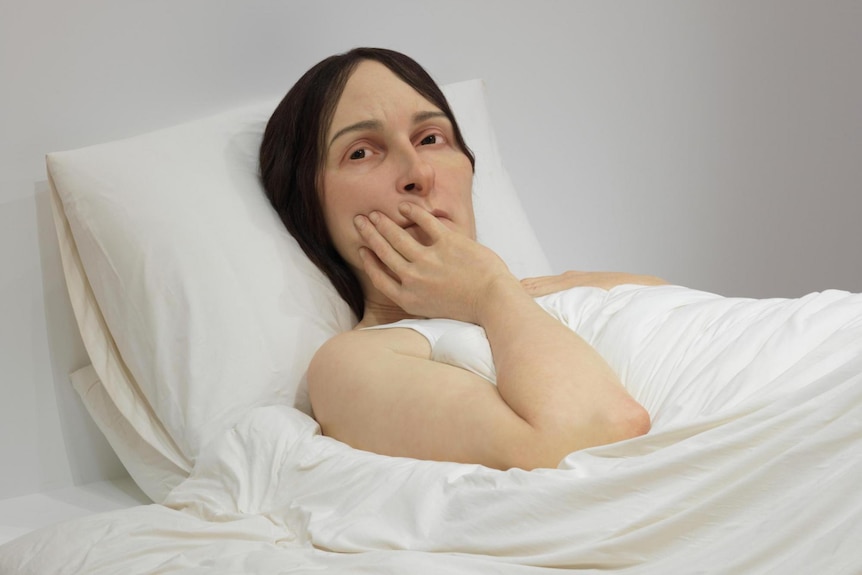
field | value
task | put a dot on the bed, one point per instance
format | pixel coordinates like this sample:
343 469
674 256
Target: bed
200 314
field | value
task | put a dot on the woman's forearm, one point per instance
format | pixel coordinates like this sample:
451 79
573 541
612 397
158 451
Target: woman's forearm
552 378
543 285
546 374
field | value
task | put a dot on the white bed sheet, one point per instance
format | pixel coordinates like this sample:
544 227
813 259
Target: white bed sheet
20 515
752 466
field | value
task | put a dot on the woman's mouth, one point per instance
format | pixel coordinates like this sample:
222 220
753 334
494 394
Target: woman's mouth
437 213
440 214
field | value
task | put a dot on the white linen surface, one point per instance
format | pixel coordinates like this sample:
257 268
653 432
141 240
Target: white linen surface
753 465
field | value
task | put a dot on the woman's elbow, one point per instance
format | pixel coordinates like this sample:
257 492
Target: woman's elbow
630 421
625 420
545 450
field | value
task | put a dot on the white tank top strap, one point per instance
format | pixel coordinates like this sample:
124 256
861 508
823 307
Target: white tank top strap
432 329
457 343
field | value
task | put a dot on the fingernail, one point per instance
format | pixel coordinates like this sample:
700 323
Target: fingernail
359 222
404 208
374 217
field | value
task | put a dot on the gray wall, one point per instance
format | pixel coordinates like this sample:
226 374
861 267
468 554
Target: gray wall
717 144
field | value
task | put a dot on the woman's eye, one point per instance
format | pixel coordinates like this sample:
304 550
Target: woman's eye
430 139
357 154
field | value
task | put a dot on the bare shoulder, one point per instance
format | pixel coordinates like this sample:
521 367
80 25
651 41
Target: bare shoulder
351 361
354 344
378 390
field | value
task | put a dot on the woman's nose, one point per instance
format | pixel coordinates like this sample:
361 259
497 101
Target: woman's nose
417 175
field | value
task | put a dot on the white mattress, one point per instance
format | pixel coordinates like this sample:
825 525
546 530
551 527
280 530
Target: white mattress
20 515
752 466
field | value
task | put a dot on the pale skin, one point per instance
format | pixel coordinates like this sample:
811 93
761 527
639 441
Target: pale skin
396 194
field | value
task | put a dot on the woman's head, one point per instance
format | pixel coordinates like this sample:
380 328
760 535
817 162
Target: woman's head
307 163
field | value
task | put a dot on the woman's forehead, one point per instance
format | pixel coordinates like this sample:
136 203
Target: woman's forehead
374 92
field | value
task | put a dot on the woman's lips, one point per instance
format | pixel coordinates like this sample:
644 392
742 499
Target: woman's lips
439 214
419 234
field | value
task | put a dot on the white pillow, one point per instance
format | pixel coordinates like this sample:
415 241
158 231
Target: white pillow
194 303
119 410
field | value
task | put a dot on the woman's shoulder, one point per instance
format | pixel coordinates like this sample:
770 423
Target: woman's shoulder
368 342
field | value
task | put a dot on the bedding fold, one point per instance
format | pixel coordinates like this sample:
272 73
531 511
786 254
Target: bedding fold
752 466
789 425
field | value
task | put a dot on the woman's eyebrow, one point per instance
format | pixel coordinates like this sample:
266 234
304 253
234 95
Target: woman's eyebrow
376 125
420 117
357 127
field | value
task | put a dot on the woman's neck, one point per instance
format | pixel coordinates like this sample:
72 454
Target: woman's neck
380 312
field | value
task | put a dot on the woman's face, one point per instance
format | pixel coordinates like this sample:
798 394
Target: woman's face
387 145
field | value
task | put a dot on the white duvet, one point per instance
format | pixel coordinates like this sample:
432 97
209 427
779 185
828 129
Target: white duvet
753 465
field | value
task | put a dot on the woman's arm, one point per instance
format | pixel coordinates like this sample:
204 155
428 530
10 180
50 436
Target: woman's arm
553 379
377 390
543 285
559 392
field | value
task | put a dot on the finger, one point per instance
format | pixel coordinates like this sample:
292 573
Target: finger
536 289
383 278
537 280
398 238
381 248
424 219
530 286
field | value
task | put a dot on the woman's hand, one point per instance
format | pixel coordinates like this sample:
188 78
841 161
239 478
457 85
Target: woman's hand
450 277
544 285
558 394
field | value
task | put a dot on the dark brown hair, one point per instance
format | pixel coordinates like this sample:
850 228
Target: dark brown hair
292 154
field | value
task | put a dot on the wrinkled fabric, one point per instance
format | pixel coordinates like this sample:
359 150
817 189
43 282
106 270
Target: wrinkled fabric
752 466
